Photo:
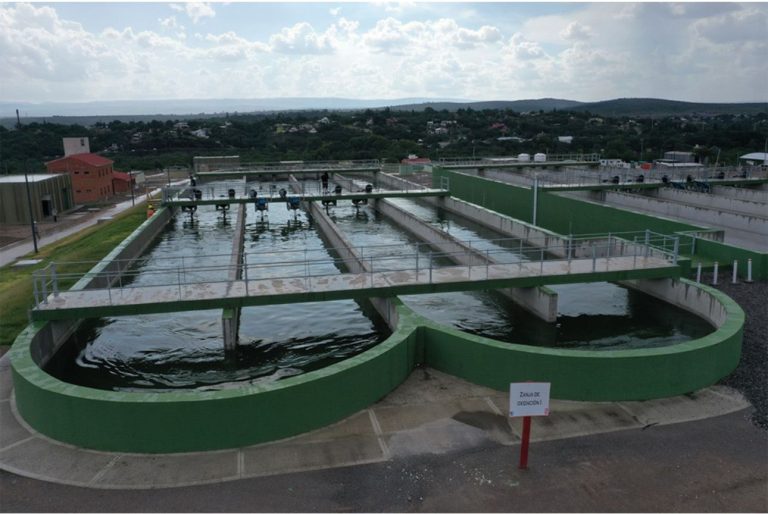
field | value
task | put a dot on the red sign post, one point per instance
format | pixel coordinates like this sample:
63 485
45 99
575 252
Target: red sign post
528 399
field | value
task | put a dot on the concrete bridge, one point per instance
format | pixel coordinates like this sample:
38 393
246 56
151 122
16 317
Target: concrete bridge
218 196
288 279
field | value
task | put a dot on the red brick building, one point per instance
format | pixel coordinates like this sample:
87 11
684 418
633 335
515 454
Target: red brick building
91 176
121 183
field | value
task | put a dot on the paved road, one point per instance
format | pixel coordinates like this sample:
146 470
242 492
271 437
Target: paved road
718 464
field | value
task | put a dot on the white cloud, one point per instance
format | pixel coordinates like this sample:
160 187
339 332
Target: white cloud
523 49
169 23
391 35
394 7
575 31
742 26
691 51
335 12
195 10
301 39
231 47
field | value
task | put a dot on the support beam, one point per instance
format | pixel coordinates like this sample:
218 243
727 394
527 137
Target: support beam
230 317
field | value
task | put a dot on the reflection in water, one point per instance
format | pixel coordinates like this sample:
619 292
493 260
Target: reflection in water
590 316
185 350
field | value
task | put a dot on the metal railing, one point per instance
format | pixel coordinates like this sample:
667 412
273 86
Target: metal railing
187 271
273 191
694 178
287 166
489 162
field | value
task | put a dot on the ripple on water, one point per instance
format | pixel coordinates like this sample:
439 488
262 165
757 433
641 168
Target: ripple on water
184 350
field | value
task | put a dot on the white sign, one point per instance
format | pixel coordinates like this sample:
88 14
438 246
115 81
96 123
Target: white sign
529 399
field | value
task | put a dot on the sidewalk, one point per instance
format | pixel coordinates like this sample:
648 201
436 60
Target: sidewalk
431 413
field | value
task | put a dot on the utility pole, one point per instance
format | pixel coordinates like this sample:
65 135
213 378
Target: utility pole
29 204
130 184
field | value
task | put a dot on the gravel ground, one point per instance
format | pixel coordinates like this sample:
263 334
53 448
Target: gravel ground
751 375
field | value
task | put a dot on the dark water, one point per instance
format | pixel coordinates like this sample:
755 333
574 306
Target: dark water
185 349
591 316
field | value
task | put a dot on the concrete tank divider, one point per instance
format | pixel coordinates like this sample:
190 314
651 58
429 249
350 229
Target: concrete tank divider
354 263
563 213
230 317
540 301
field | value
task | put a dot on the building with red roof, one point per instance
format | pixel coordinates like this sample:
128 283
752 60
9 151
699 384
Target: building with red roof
91 176
122 182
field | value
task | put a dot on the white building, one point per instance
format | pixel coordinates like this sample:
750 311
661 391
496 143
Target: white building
755 158
76 145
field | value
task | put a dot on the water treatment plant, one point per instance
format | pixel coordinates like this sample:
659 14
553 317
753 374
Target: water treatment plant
260 303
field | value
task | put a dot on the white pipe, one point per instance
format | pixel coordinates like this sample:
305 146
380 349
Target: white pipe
749 270
698 274
714 279
735 271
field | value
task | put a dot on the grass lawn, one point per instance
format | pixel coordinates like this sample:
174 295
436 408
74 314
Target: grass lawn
91 244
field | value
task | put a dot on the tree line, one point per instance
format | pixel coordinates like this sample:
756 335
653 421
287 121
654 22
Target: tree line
388 135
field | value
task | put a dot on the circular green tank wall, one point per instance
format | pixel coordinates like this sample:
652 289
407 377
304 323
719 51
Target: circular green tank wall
207 420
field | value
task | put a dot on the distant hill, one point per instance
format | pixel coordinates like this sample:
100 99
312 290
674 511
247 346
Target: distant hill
544 104
645 107
88 113
637 107
194 106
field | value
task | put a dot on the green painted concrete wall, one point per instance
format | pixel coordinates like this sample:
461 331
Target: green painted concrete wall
592 375
725 254
566 215
557 213
208 420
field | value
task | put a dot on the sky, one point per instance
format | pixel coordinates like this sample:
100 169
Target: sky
76 52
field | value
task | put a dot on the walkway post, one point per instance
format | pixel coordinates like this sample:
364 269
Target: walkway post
535 197
430 266
676 249
735 271
245 272
54 280
35 278
714 278
647 241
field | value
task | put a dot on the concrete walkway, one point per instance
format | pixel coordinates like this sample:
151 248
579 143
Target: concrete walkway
430 414
271 291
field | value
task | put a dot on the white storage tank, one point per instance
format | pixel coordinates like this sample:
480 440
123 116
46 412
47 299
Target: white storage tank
540 157
523 157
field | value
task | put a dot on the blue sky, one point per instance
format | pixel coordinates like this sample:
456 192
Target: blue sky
479 51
